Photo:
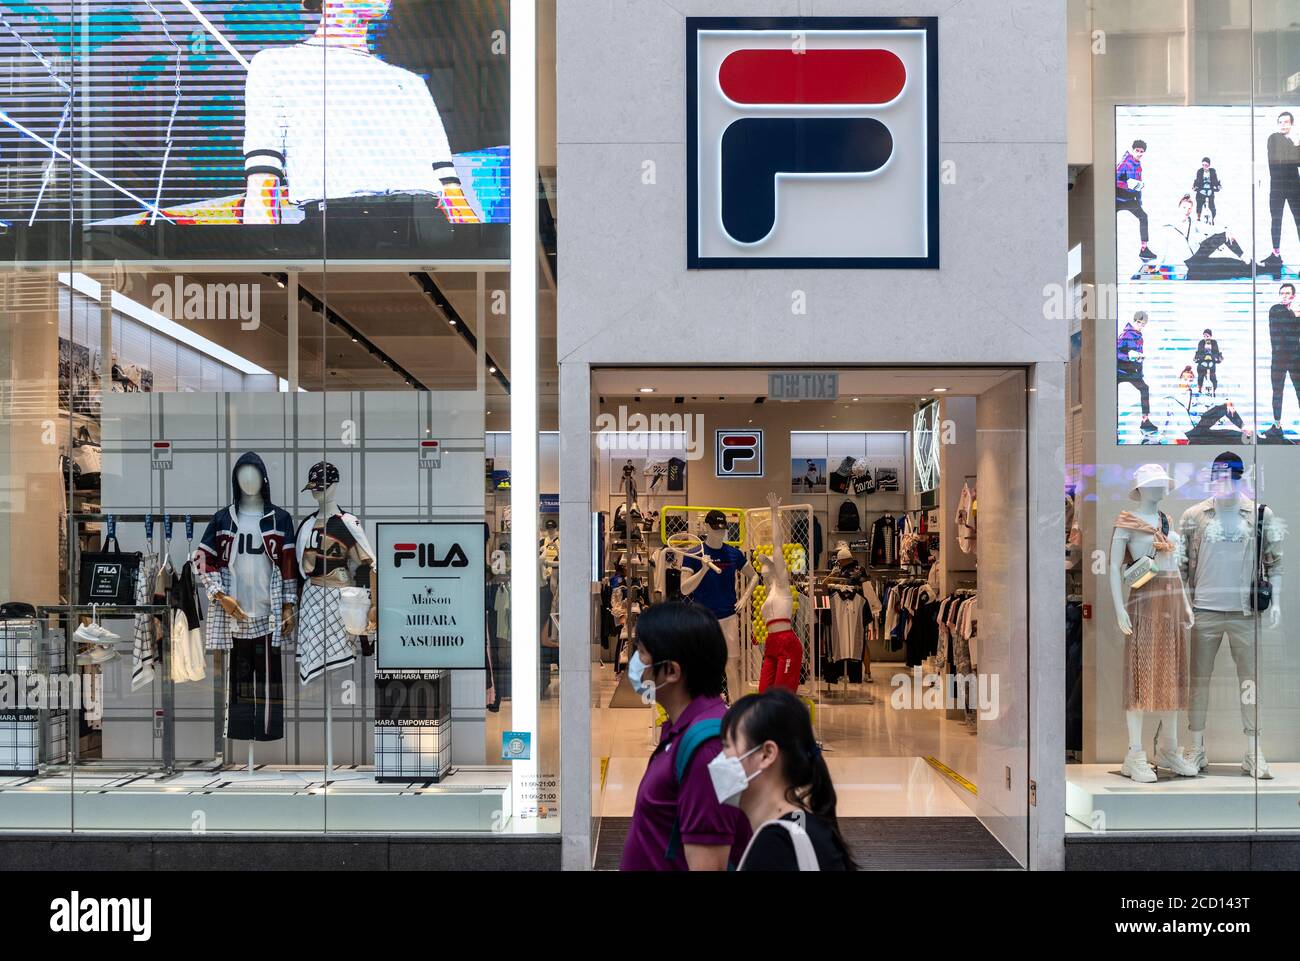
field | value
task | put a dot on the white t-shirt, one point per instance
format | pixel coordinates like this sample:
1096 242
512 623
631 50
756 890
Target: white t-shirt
251 567
385 134
1219 567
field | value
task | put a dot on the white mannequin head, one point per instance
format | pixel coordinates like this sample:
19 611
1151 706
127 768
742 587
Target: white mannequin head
1226 475
325 496
249 480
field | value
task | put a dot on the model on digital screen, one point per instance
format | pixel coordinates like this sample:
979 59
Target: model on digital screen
1283 150
1205 185
1284 338
1130 357
1190 413
1128 193
327 120
1208 358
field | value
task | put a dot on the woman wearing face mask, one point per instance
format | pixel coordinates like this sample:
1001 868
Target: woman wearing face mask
771 767
678 824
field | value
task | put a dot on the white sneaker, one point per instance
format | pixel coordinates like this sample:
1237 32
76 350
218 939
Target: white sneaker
94 634
1177 762
1196 756
1137 768
96 655
1255 765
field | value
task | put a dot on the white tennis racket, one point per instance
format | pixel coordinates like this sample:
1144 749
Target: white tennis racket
689 545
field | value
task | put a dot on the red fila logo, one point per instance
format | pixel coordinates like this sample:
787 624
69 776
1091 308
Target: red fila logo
812 142
739 453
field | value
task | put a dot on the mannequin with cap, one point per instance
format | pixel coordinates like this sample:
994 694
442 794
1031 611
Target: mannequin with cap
1230 542
1154 619
711 582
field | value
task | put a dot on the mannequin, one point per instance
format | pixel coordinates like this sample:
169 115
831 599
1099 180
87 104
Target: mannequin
333 553
1220 568
249 570
1154 621
548 556
714 585
783 651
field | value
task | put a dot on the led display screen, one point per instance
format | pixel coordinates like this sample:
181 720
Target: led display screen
264 124
1207 338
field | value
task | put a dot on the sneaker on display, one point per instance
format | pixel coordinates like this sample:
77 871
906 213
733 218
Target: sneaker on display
1138 768
1177 762
1196 756
1254 765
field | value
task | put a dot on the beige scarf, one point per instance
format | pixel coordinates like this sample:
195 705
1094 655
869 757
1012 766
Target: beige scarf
1130 521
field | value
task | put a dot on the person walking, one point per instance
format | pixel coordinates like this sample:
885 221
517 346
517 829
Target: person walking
1205 185
678 823
772 768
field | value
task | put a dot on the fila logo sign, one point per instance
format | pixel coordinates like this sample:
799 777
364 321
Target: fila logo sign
426 555
813 142
739 453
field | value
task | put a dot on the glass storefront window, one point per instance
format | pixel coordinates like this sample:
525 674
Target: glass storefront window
1181 694
256 529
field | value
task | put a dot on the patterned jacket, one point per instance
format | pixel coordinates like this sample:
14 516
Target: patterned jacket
1200 523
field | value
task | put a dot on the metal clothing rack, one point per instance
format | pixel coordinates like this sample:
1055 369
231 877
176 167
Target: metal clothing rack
167 685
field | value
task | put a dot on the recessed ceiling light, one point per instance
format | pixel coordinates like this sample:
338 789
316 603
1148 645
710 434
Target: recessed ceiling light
856 399
647 390
941 390
492 370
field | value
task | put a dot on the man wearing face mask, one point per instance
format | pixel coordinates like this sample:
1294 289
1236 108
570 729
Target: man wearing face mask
678 823
771 767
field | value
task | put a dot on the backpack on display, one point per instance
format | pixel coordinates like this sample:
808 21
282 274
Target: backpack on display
848 518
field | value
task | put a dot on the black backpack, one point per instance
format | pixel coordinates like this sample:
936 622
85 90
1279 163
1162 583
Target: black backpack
848 519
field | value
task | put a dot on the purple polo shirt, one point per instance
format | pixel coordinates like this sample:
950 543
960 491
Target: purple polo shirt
660 800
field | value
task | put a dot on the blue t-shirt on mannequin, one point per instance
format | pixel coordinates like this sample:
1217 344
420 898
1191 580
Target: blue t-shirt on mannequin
717 591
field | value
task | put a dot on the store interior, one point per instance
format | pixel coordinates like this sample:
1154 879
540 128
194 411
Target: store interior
880 490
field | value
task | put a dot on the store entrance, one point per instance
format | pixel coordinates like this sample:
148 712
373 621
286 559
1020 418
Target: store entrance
901 535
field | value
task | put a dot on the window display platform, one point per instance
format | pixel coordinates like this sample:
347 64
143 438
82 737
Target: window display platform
268 799
1100 798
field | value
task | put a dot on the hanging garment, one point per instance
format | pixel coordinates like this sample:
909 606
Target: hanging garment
884 543
188 657
847 625
965 520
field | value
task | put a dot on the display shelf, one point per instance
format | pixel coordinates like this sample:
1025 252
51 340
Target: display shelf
1222 798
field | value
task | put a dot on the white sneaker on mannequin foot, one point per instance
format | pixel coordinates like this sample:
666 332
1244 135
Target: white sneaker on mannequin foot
1254 765
1196 755
1137 768
1178 762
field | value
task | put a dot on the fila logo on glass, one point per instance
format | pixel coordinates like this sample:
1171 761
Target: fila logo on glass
812 143
739 453
426 555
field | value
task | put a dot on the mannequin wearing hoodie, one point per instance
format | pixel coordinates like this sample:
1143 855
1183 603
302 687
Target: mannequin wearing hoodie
333 553
249 569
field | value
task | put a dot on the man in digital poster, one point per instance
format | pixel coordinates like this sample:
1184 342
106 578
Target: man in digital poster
386 149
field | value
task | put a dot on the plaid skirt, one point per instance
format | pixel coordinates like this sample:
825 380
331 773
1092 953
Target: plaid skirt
322 640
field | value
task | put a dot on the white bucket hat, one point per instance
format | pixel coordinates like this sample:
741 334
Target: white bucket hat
1150 475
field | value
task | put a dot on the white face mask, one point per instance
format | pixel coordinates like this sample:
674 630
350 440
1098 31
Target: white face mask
729 777
636 668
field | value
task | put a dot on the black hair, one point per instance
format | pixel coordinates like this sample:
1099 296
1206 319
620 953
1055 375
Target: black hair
1205 160
1139 145
1288 114
1207 332
311 6
1187 199
1292 286
690 635
778 716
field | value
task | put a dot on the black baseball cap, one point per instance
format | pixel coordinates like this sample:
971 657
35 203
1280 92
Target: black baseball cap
715 520
322 475
1229 461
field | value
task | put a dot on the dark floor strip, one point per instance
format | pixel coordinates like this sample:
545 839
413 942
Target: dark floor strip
878 844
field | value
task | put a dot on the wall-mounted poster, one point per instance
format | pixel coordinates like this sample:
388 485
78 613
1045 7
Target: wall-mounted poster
808 475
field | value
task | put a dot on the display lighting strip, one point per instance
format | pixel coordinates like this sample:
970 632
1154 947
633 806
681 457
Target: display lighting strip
431 290
524 577
339 321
